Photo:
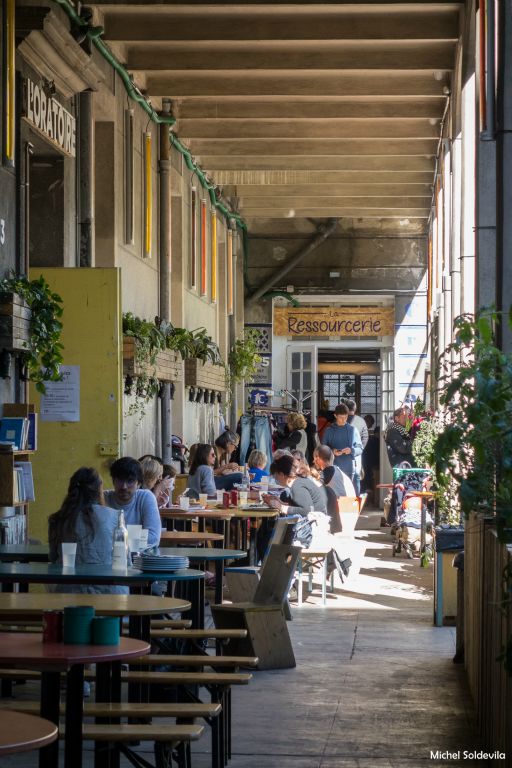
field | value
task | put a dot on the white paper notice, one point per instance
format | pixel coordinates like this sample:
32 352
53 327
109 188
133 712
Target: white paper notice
62 399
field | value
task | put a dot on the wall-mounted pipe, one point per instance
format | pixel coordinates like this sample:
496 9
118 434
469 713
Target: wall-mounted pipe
86 179
164 168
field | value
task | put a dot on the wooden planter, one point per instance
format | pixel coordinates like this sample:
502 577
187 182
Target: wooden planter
206 375
14 323
168 366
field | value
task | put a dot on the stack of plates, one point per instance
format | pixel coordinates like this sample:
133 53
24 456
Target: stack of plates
160 562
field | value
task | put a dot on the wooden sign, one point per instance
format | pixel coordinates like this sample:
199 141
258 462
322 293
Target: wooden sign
334 321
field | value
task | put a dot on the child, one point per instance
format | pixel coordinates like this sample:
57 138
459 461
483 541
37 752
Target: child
257 462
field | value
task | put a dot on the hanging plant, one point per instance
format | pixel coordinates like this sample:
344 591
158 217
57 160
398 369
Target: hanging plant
243 360
43 356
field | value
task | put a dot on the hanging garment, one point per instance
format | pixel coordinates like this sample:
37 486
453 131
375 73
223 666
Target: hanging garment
256 434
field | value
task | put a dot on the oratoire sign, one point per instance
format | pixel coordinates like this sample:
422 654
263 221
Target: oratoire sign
334 321
48 115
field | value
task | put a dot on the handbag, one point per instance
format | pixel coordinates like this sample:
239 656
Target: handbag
303 531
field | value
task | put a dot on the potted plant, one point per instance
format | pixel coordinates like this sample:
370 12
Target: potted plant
474 446
243 360
41 352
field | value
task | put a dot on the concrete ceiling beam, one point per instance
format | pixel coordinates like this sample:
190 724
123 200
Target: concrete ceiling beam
325 201
263 180
342 107
333 211
254 192
308 23
338 55
319 163
289 84
380 128
327 147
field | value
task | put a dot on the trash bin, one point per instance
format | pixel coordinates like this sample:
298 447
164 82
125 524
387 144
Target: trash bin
449 540
458 562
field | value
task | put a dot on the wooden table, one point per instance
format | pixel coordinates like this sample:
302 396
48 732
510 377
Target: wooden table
189 537
24 651
48 573
22 733
217 518
140 608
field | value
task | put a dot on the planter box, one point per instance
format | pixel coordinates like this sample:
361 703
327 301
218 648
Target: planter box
206 375
168 366
14 322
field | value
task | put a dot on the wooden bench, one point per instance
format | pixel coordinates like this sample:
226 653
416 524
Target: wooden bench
184 713
218 684
203 660
165 737
195 638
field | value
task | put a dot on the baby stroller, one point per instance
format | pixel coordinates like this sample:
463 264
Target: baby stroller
408 529
412 525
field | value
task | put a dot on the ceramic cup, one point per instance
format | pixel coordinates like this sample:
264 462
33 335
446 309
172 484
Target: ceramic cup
105 630
77 624
68 554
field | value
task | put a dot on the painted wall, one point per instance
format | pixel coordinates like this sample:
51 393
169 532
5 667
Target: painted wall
91 338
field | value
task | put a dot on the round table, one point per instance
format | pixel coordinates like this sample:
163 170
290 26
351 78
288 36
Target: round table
22 733
138 607
19 650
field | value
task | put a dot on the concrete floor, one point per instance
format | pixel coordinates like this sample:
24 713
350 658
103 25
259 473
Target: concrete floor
374 686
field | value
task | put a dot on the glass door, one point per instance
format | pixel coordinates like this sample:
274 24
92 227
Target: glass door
301 377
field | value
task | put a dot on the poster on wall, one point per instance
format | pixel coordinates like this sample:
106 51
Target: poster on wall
61 402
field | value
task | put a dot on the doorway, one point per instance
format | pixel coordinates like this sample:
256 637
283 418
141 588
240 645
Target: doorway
352 374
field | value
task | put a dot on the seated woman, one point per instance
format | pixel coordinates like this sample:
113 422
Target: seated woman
200 476
257 462
303 496
227 473
84 519
157 478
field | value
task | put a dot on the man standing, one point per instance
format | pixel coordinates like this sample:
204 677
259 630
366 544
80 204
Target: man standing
344 440
398 441
360 424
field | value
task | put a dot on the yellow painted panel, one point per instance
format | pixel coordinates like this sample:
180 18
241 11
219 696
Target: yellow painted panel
92 340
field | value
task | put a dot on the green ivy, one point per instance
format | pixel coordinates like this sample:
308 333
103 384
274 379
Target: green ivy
43 356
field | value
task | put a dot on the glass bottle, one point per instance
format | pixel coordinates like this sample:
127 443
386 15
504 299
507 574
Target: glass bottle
120 550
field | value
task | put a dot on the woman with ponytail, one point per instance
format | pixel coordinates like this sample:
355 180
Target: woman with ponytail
84 519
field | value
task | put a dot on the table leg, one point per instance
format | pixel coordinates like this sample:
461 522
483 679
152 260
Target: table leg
219 579
108 689
50 704
253 532
74 716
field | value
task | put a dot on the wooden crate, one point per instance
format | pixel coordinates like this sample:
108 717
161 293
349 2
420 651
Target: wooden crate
168 366
206 375
14 322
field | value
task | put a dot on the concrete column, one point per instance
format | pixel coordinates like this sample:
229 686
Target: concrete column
86 179
164 169
504 168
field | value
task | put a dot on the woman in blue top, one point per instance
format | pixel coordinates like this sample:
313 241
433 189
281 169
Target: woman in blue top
344 441
84 519
200 477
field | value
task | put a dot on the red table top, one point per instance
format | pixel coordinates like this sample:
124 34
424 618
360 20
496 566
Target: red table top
21 733
28 650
